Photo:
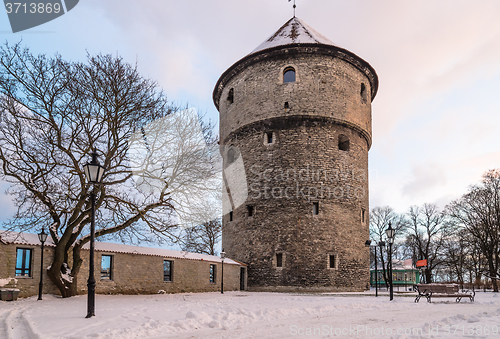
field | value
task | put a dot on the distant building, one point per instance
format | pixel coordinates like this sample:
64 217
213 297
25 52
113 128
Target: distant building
119 269
404 275
295 116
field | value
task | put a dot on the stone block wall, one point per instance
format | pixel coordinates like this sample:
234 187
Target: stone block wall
329 101
131 274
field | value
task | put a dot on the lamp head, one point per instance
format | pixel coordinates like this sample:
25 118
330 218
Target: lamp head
94 171
390 234
42 236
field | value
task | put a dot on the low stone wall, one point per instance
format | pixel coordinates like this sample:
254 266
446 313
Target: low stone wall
130 273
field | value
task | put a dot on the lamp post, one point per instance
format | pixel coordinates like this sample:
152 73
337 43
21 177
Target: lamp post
93 172
380 243
390 239
222 257
42 236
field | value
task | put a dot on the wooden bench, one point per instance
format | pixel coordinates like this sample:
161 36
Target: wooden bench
442 291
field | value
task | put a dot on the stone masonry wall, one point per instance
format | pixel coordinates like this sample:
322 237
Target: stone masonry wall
131 274
304 165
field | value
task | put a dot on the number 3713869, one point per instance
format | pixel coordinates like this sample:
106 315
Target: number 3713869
18 7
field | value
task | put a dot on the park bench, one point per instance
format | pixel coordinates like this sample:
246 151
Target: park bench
442 291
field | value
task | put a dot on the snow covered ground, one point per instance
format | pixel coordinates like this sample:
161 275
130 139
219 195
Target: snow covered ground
251 315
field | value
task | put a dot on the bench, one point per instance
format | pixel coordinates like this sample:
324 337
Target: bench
442 291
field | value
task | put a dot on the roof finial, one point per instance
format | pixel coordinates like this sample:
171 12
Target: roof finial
293 7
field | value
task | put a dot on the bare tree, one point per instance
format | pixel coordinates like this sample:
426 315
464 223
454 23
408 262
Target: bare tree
380 217
478 211
426 228
202 238
53 113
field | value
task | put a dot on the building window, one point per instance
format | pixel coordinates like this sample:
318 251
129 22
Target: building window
289 75
23 262
343 143
250 210
268 138
363 215
287 105
362 92
167 270
230 215
230 96
212 273
279 259
332 261
106 263
315 208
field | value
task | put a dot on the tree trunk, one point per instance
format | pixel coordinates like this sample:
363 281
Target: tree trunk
64 278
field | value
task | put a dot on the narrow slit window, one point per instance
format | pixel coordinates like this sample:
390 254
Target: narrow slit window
315 208
344 143
231 216
289 75
230 96
363 217
269 138
279 259
362 92
250 210
332 261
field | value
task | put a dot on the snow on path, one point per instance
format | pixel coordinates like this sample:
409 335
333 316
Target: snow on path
250 315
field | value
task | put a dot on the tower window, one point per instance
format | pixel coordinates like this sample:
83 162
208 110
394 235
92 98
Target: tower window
230 215
363 92
269 138
343 143
230 96
287 105
315 208
279 259
363 216
250 210
332 261
289 75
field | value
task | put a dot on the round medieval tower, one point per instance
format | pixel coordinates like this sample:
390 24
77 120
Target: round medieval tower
295 130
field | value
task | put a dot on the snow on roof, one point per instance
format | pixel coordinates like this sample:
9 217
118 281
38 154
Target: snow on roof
399 265
32 239
294 31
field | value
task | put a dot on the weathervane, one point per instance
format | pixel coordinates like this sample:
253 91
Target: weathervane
293 7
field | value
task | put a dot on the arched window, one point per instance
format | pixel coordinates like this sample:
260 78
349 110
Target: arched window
343 143
289 75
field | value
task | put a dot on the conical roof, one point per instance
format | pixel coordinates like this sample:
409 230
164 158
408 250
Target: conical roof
294 31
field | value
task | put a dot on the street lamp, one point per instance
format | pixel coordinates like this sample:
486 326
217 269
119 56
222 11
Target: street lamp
381 244
93 172
222 257
390 239
42 236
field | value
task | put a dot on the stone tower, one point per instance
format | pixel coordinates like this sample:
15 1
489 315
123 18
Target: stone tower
295 130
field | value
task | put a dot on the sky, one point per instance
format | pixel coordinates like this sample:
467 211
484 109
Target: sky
435 116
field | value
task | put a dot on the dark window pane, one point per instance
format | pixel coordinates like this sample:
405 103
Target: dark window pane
212 273
289 75
279 259
167 270
332 261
